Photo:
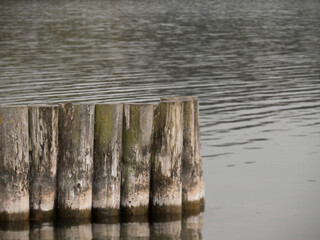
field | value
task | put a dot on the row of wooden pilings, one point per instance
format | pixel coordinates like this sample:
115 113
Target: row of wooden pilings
74 161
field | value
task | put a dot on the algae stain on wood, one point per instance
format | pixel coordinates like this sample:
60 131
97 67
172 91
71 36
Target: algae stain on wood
14 164
166 160
107 161
104 123
76 133
43 150
192 173
137 140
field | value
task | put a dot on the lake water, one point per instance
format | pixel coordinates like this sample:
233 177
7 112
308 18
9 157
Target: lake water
255 65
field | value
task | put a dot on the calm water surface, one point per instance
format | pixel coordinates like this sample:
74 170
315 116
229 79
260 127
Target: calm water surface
255 64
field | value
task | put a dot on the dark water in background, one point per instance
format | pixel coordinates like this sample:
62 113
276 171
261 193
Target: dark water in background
255 64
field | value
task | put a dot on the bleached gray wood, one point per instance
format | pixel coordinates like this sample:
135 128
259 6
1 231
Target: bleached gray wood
192 172
166 187
75 163
43 153
200 190
14 163
107 162
137 141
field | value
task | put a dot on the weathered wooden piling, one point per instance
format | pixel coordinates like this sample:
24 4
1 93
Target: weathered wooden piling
43 153
137 141
166 161
40 230
111 158
107 162
14 163
200 190
192 172
75 163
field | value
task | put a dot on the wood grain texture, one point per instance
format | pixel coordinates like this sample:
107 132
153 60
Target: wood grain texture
75 163
137 141
43 154
107 162
166 187
14 163
192 172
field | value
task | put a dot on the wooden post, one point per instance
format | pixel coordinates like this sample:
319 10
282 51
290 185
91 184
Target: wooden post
75 164
43 150
198 158
166 161
192 172
14 163
107 162
137 141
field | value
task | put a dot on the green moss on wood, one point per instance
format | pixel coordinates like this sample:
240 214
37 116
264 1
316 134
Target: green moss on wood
104 125
41 215
12 217
67 213
132 140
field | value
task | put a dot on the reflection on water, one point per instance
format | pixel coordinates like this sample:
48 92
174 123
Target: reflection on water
188 228
14 231
167 230
41 231
253 63
66 231
106 231
191 227
135 230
